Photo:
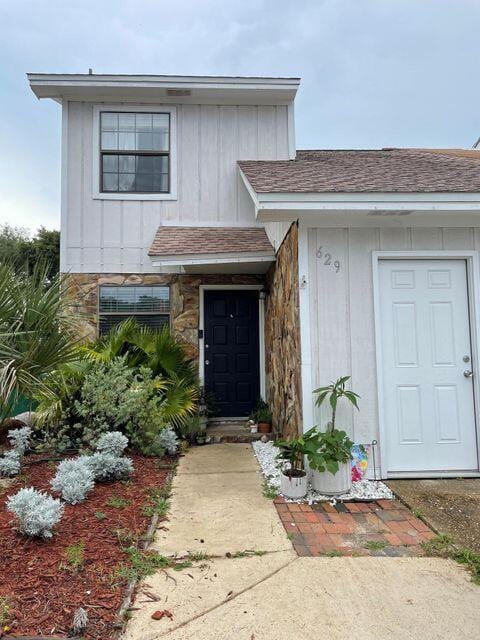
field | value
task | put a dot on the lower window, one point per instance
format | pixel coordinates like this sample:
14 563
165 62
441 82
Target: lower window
149 305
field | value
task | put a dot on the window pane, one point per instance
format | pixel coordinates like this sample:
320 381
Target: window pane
144 121
145 164
160 183
161 121
159 164
126 141
109 140
110 164
110 182
109 121
160 142
144 182
126 164
144 141
126 182
134 299
126 121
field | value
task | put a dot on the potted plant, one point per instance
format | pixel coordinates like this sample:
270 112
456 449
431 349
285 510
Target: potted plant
262 416
293 478
330 458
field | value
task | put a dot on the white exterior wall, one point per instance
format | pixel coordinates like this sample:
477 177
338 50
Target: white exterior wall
115 235
341 310
276 232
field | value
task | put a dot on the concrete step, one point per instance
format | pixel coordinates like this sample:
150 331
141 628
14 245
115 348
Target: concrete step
231 431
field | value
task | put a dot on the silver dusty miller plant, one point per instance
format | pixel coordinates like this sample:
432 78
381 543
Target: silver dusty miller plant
80 620
105 466
167 440
107 463
74 479
114 443
36 512
11 461
10 464
20 439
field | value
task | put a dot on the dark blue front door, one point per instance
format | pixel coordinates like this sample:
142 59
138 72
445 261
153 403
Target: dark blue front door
232 368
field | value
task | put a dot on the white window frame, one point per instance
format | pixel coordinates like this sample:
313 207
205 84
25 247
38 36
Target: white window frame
134 108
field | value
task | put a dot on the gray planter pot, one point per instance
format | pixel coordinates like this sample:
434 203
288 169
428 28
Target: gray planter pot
295 488
330 484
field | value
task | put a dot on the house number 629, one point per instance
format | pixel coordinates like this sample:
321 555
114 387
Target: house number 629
327 259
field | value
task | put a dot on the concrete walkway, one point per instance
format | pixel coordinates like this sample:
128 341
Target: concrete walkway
218 508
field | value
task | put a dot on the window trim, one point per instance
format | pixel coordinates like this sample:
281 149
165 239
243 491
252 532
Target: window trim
96 152
137 313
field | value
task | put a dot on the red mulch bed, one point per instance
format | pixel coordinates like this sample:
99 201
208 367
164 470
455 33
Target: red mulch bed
43 595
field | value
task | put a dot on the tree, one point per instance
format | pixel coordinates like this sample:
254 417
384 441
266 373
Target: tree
38 332
24 253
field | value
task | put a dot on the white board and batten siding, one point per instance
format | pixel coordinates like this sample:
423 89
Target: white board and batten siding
341 308
101 235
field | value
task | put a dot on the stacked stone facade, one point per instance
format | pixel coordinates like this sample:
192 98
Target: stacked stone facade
282 339
184 298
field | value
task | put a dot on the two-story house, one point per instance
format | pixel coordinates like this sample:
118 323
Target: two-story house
185 201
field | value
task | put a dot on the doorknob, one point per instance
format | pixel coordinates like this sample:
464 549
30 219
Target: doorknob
467 373
207 361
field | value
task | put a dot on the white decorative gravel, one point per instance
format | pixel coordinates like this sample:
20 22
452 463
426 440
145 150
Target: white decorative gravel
266 453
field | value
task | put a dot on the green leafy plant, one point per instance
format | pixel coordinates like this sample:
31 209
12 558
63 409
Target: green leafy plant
444 547
333 446
294 451
375 545
161 353
158 504
269 491
99 515
333 393
261 412
117 502
75 556
141 564
333 553
5 611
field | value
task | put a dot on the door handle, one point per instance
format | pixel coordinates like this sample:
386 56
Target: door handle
468 373
207 361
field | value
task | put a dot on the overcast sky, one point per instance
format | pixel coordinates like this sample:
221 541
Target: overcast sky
374 73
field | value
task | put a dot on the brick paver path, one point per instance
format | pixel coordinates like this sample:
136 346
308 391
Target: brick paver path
381 528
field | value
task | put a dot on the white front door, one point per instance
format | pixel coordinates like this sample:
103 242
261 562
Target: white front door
426 350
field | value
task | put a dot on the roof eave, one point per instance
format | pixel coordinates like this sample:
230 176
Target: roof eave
202 89
212 258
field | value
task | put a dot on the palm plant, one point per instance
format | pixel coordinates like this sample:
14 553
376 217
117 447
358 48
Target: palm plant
163 354
38 332
156 349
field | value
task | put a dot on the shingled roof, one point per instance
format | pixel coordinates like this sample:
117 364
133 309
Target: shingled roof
204 240
384 171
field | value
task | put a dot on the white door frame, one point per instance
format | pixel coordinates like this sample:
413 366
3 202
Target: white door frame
473 292
261 327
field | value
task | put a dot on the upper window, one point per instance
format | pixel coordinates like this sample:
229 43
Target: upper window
134 152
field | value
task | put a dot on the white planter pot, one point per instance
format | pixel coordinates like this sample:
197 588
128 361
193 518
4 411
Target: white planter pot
293 487
330 484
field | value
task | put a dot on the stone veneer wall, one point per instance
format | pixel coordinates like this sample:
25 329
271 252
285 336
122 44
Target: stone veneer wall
184 298
282 339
